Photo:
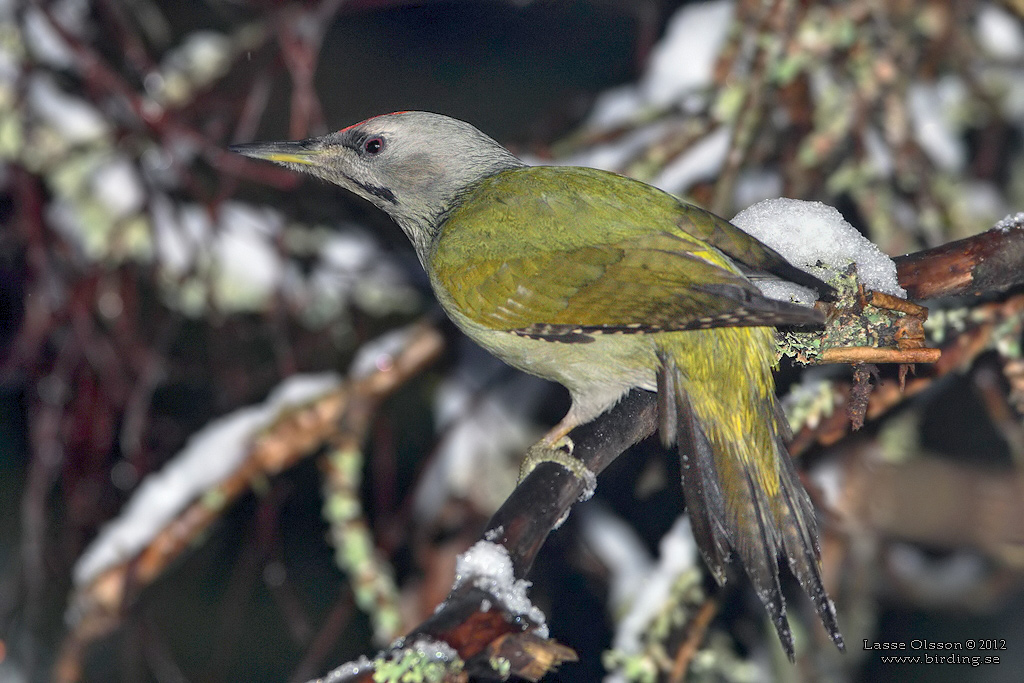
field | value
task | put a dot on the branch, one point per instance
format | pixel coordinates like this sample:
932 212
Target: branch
958 353
475 623
99 605
985 263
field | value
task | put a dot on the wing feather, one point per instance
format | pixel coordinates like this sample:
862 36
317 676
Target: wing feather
562 257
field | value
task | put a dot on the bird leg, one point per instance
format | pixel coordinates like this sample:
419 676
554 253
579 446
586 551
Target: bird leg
556 447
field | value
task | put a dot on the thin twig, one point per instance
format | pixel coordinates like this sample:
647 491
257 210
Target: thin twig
695 632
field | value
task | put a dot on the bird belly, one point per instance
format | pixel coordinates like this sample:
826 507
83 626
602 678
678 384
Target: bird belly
597 373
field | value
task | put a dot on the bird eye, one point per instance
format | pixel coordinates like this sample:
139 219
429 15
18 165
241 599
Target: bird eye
374 145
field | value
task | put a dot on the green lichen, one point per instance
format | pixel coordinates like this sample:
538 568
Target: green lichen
900 437
717 662
653 660
941 322
729 102
373 585
1006 337
851 322
808 403
415 665
638 668
501 665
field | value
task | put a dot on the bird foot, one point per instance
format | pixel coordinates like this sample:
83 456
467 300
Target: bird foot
560 452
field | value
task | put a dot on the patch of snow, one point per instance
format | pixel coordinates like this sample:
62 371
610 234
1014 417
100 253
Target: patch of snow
212 454
248 265
680 68
620 549
352 268
430 649
347 672
684 60
1000 33
815 237
589 485
482 414
200 58
117 184
183 233
702 161
239 250
678 554
931 106
614 106
203 54
243 252
488 566
75 119
1013 222
43 41
608 156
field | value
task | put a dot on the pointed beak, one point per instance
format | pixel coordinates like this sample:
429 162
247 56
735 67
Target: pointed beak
281 152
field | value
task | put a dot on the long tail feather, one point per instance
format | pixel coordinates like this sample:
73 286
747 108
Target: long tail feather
737 507
800 542
701 491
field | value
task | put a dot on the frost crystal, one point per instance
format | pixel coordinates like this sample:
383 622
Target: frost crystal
488 566
347 672
1014 222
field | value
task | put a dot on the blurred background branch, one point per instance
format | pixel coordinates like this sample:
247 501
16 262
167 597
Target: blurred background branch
152 284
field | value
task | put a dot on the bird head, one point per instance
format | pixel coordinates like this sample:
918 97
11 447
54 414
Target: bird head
414 164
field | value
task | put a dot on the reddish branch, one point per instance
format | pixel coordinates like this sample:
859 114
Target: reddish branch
982 264
695 632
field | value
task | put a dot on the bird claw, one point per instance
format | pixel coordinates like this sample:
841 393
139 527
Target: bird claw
560 452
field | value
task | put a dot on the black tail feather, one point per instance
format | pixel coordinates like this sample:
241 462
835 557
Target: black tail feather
800 543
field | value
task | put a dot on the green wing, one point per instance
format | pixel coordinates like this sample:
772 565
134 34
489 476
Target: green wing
560 253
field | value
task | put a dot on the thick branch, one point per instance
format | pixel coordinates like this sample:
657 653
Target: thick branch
989 262
542 499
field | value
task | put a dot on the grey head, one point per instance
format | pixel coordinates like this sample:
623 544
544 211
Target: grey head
413 164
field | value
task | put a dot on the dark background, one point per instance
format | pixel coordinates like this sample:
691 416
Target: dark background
525 73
